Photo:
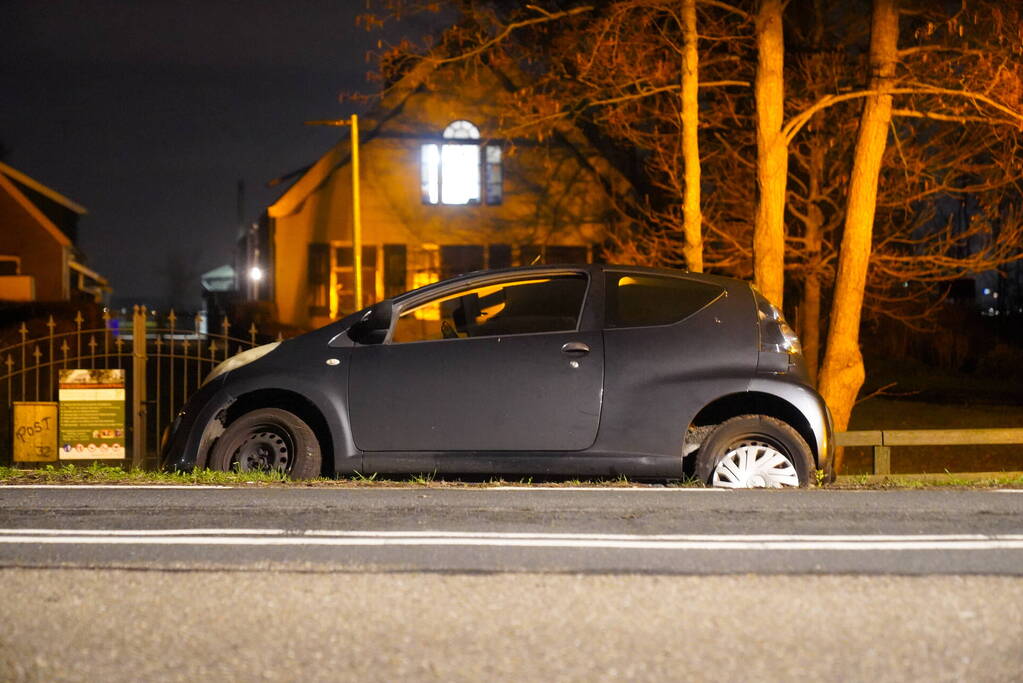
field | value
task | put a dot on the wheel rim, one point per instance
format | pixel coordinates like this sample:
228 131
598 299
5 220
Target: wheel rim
754 464
265 448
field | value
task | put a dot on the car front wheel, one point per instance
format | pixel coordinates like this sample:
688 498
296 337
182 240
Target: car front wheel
754 451
268 439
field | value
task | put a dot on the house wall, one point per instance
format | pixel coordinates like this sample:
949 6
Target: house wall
549 197
42 256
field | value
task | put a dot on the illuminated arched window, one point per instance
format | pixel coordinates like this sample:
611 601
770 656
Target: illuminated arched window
459 171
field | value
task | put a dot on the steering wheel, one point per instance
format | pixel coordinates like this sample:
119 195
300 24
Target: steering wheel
447 330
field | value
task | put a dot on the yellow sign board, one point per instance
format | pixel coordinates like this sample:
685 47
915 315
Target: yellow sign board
35 432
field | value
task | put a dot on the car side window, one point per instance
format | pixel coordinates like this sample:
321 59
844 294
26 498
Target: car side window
640 300
547 303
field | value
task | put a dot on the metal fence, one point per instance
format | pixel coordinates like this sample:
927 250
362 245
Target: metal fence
165 360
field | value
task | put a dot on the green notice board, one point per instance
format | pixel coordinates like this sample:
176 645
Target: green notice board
92 415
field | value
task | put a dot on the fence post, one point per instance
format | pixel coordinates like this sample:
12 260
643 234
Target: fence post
138 391
882 459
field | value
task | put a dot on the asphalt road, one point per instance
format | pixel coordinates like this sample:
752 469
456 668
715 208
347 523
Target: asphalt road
678 531
506 585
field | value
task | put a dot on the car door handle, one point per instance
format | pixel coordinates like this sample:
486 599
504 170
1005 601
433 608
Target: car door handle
575 349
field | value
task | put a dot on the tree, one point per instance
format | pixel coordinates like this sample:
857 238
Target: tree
772 153
842 373
692 225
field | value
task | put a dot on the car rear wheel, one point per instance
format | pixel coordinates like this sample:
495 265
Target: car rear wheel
268 439
754 451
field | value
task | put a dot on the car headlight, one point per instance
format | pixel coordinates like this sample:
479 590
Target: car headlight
238 360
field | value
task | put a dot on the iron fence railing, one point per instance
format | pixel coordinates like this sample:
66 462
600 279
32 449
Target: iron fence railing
165 361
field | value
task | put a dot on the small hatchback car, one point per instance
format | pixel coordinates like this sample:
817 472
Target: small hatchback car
580 371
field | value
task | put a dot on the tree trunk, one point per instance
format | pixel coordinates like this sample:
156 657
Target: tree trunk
810 307
772 153
692 227
842 372
810 314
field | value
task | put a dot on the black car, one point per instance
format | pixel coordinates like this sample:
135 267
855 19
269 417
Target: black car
580 371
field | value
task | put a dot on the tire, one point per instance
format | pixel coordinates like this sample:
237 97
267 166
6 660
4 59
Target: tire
754 451
268 439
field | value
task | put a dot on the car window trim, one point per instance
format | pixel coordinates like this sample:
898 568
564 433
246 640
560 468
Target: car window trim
504 278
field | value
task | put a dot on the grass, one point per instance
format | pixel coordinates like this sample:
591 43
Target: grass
986 480
105 474
97 473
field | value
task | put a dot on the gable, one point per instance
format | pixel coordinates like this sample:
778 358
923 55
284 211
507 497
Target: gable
61 211
17 209
421 105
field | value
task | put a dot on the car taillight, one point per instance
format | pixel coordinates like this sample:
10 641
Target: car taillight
775 333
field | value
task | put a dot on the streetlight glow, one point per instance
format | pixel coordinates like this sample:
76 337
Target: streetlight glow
255 273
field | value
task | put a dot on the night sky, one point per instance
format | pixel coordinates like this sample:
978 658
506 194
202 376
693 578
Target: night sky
149 112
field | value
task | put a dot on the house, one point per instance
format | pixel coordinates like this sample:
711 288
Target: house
443 192
38 257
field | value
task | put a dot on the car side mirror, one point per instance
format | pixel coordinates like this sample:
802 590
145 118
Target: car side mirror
374 325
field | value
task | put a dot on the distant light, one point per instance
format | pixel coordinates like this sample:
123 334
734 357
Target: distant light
995 295
255 273
987 291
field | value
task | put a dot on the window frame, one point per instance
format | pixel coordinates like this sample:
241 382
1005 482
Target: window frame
434 168
452 291
610 272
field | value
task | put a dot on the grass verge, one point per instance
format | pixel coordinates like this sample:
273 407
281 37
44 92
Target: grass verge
983 480
105 474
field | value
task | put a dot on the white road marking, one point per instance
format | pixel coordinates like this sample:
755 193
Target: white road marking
282 537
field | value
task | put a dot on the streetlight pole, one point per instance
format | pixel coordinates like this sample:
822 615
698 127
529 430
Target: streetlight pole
353 123
356 215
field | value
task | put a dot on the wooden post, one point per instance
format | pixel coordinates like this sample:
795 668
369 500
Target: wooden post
138 390
882 459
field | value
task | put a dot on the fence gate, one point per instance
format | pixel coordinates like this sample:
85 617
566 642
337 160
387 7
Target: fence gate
164 360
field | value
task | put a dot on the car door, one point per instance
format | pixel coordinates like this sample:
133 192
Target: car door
492 367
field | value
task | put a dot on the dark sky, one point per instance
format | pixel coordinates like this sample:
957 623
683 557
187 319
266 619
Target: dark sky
148 112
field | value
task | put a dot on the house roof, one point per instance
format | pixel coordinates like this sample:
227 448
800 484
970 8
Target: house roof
47 192
391 105
220 279
6 185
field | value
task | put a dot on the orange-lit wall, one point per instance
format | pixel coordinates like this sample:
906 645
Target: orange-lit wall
42 256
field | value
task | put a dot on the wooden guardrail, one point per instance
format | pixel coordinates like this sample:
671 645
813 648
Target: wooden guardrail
883 440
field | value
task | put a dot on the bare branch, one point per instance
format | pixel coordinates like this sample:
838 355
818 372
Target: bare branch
508 30
799 120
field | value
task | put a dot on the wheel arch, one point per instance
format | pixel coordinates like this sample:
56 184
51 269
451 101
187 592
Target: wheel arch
758 403
284 399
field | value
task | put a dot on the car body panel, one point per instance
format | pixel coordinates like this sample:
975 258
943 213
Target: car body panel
476 394
657 378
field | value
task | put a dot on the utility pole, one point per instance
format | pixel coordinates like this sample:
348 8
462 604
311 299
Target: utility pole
353 123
